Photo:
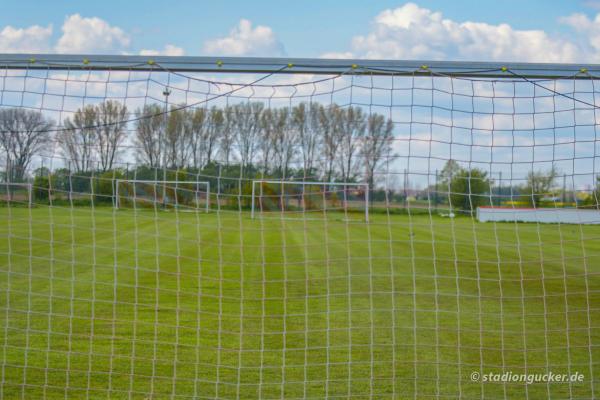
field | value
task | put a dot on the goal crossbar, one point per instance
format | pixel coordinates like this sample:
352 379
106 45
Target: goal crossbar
164 184
461 69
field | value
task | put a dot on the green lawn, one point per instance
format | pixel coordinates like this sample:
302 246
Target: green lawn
117 304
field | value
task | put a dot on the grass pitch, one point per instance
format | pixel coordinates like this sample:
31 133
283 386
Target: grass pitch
98 303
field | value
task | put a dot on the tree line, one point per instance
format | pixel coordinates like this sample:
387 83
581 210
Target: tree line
324 142
468 188
306 141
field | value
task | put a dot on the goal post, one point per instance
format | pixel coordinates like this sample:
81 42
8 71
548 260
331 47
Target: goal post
177 194
20 193
305 197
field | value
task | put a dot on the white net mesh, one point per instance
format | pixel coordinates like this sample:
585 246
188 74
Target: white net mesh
373 275
168 194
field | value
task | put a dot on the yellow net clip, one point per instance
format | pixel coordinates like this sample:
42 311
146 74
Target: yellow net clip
583 70
425 67
32 60
150 62
354 66
86 61
504 69
290 65
219 63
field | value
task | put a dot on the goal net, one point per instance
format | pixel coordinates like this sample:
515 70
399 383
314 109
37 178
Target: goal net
164 194
292 199
377 229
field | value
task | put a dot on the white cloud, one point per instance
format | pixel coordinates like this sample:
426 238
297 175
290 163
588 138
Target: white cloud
169 50
79 35
412 32
90 35
34 39
588 30
244 40
579 22
338 55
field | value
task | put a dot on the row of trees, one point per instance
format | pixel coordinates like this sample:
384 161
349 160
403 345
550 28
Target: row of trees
308 140
327 142
469 188
458 187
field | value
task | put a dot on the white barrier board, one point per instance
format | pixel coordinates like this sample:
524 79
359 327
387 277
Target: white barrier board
540 215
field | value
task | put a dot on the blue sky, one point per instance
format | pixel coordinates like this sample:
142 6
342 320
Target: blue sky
306 29
508 30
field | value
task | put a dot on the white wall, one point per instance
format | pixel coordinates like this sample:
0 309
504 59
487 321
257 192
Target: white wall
540 215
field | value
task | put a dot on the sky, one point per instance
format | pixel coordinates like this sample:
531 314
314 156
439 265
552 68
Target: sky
508 30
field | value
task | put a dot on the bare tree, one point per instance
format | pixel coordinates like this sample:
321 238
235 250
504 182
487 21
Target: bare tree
78 139
110 132
177 138
246 122
329 127
267 138
149 126
206 129
23 134
285 140
277 140
227 135
214 133
351 132
198 120
305 121
376 144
